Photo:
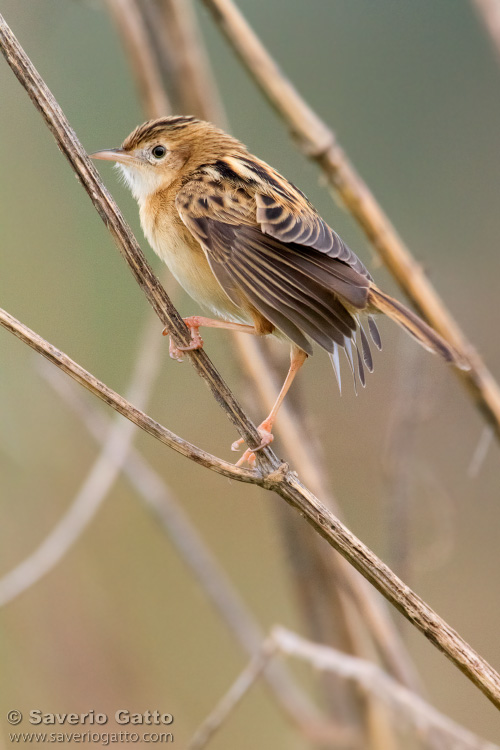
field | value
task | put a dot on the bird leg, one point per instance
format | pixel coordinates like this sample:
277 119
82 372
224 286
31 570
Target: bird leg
194 322
297 359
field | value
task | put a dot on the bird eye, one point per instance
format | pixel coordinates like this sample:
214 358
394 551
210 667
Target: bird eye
159 152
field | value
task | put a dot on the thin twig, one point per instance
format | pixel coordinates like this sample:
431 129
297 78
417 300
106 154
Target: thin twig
272 475
234 696
407 708
400 595
319 143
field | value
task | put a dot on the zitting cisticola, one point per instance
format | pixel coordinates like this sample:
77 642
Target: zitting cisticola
247 244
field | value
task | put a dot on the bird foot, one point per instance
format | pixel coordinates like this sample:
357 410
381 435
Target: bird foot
249 457
177 352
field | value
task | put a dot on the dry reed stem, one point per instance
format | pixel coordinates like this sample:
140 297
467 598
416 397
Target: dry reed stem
341 738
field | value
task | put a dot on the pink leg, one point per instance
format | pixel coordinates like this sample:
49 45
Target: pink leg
297 359
194 322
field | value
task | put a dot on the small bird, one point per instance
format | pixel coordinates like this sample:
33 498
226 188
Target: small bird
246 244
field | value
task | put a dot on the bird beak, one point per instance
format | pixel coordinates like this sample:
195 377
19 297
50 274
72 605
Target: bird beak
114 154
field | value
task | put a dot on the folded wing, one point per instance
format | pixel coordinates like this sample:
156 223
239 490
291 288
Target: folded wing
296 272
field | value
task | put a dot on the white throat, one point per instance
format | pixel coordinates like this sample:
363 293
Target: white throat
142 182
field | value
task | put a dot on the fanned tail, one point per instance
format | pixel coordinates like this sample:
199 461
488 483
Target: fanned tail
415 326
363 352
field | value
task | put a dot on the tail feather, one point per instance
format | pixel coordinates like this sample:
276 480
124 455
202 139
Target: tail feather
415 326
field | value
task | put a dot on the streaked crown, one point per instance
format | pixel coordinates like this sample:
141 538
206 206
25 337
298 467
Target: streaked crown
203 138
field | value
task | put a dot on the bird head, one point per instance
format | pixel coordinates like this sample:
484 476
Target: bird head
160 151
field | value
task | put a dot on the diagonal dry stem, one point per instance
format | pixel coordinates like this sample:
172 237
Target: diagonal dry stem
259 664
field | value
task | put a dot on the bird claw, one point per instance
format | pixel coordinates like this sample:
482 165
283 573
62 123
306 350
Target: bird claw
196 341
247 458
249 455
177 352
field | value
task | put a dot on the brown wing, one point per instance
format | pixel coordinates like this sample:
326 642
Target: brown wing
302 290
285 213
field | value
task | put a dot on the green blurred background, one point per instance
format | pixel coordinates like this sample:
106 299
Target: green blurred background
412 91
